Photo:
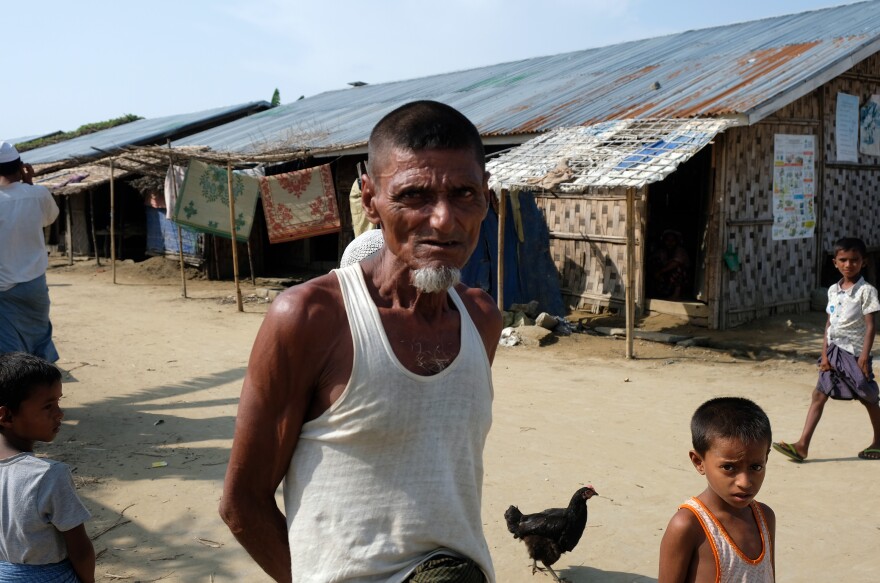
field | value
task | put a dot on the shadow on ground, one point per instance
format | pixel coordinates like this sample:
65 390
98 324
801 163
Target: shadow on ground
782 336
581 574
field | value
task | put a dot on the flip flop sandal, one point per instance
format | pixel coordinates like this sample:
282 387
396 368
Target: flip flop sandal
790 452
869 454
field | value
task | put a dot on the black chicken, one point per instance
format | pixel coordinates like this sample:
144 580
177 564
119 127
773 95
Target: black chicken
550 533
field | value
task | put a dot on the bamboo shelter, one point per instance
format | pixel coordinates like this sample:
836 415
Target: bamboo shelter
591 183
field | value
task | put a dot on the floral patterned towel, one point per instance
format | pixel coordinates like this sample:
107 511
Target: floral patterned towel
300 204
203 202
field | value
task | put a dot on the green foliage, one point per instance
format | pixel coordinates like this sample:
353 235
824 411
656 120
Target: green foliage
82 130
276 98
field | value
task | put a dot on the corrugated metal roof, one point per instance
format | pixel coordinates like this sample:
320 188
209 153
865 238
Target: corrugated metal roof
15 141
620 153
137 133
736 70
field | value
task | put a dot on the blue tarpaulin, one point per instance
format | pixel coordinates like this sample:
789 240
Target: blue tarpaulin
162 237
529 272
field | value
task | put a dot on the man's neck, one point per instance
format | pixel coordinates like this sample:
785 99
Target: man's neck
394 286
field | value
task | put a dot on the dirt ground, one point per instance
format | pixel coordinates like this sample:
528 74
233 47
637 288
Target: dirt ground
154 380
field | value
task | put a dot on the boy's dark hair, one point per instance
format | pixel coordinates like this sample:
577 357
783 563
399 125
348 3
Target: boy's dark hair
425 125
850 244
20 374
10 168
729 417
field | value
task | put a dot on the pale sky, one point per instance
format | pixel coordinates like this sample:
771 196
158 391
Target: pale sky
68 63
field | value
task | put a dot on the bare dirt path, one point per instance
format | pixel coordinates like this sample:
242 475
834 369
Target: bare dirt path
155 379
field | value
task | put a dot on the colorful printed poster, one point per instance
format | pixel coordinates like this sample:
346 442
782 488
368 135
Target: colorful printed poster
794 186
847 128
869 127
300 204
203 202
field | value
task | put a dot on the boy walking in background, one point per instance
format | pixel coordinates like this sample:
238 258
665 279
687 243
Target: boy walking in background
724 535
42 531
845 366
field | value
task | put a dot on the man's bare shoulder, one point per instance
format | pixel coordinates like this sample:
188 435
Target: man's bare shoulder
315 302
485 315
476 298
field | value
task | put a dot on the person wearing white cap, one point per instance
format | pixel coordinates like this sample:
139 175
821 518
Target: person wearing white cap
369 389
25 209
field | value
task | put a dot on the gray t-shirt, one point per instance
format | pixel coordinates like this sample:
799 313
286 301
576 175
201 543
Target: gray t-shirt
38 502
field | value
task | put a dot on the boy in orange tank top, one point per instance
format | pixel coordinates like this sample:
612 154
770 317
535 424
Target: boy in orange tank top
724 535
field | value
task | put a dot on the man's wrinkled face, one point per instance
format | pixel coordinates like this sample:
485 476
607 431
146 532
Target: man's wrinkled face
430 204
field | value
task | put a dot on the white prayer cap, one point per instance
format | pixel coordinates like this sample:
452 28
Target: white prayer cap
8 153
365 245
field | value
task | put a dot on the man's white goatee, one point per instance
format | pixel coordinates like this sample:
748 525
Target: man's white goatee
432 280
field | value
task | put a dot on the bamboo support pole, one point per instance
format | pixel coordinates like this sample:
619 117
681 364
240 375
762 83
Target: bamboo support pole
112 221
251 264
502 218
69 223
92 221
234 241
630 270
179 231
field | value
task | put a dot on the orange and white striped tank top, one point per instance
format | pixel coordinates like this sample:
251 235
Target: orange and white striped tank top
731 564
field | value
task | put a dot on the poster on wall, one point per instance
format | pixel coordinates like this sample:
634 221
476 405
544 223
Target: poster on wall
794 167
847 125
869 127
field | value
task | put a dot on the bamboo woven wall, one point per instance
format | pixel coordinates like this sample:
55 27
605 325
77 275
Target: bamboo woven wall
774 276
849 207
588 245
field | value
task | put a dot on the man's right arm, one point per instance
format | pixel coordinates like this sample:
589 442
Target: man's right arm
282 373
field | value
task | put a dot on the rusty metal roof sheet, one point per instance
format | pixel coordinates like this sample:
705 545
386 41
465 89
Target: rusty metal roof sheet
746 71
140 132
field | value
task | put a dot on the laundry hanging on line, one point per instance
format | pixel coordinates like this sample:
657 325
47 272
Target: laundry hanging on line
300 204
203 201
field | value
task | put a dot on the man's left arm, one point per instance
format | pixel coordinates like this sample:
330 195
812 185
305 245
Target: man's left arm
486 317
49 207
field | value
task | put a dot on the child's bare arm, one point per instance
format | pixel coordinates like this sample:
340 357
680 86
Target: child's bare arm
678 546
81 553
825 364
771 526
869 343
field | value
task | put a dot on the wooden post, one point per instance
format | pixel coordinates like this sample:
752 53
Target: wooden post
251 264
112 222
69 230
179 232
232 232
630 270
502 218
92 220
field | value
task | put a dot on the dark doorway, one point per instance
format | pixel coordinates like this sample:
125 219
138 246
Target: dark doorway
678 211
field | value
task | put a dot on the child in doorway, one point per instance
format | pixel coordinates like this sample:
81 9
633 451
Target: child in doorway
724 534
42 531
845 365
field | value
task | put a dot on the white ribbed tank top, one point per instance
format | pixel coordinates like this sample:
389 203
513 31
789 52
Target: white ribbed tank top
731 564
393 471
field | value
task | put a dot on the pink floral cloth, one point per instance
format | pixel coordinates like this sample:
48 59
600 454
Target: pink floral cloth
300 204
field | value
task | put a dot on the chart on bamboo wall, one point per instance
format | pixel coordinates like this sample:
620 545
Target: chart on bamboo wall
794 212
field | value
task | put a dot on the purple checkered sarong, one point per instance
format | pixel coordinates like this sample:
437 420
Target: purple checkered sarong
846 381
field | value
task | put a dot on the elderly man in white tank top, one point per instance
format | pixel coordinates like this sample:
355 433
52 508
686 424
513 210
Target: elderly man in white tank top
369 390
